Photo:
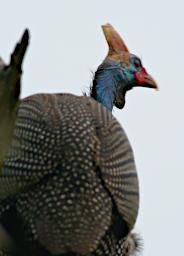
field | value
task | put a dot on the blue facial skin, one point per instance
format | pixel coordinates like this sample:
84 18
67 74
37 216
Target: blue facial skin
113 79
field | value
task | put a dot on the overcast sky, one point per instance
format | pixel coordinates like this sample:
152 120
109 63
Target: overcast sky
67 44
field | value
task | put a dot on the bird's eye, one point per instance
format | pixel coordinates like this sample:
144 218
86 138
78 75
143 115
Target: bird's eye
137 63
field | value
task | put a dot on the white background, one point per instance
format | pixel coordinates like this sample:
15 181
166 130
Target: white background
67 44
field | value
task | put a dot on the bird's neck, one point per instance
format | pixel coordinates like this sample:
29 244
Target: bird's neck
103 89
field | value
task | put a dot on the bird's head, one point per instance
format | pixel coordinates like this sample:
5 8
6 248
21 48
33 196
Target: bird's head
119 72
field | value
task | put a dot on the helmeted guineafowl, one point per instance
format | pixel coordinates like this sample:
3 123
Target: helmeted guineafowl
69 185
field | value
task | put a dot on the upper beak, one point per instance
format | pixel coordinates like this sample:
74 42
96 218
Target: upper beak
145 80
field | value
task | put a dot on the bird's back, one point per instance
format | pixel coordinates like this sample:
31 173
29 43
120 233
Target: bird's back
72 171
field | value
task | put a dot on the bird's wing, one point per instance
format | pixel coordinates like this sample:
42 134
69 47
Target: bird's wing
117 165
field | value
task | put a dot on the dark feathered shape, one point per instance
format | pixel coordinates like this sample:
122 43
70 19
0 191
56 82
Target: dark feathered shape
10 76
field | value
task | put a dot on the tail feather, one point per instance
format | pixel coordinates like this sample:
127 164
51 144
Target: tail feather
132 244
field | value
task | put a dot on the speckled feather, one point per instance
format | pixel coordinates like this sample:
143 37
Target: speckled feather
72 175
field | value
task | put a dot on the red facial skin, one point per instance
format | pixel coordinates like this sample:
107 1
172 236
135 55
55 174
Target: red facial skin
140 75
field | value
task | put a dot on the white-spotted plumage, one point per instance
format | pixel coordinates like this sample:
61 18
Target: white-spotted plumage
71 171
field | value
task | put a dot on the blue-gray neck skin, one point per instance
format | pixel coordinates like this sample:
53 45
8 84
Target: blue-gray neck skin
110 84
105 88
